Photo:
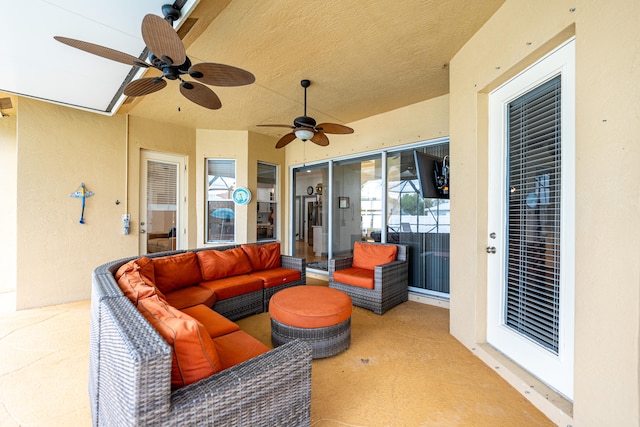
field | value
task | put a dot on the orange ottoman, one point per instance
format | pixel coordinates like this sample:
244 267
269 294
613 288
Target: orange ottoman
318 315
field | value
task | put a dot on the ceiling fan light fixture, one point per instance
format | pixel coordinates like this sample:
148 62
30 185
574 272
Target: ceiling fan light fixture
304 134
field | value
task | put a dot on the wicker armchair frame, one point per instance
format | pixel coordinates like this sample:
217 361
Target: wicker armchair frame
390 282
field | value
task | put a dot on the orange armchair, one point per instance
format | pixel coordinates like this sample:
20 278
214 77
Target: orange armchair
375 277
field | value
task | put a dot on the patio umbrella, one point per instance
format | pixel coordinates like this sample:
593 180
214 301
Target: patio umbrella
224 215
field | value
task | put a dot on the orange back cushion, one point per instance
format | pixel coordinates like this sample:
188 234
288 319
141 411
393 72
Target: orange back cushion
220 264
136 279
367 255
194 354
263 257
176 271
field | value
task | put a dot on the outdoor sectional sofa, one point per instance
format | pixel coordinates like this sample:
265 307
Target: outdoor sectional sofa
159 355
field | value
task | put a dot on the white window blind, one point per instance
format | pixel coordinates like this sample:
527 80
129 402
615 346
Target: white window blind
161 183
533 215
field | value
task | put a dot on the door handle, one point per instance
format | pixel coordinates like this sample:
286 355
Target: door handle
491 249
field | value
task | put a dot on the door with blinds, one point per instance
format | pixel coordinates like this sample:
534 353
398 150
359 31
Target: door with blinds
530 247
162 202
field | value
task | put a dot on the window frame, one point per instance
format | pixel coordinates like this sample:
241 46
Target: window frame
225 203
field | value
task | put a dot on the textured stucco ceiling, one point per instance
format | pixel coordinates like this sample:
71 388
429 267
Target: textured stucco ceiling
362 57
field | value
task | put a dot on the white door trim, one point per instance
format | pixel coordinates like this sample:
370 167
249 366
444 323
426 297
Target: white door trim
555 370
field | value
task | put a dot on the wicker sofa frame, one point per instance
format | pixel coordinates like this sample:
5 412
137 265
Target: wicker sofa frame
390 282
130 374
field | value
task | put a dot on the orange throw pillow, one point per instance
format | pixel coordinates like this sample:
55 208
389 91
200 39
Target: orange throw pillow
220 264
176 271
194 354
368 255
263 257
136 279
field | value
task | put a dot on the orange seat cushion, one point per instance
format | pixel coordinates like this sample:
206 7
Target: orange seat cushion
238 347
233 286
354 276
194 354
310 306
190 296
277 276
176 271
215 323
263 257
136 279
368 255
220 264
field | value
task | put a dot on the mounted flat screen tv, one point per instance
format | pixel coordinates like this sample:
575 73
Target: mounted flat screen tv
433 175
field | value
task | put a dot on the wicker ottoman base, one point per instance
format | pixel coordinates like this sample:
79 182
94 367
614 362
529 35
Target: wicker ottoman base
316 314
324 342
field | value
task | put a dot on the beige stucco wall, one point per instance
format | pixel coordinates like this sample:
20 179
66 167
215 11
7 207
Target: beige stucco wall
8 166
58 149
607 221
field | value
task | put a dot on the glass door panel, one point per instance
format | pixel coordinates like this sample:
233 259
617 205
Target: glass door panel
310 215
420 223
357 206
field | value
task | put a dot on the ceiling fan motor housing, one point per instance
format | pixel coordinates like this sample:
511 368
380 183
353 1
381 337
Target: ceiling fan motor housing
171 13
171 72
304 121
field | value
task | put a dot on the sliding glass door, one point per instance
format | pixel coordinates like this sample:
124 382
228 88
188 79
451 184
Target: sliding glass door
374 197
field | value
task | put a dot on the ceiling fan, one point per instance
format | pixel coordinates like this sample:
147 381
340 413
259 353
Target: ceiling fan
167 54
305 127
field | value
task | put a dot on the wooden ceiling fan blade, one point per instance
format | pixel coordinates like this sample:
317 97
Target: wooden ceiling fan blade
334 128
220 74
105 52
320 138
200 94
144 86
277 126
285 140
162 40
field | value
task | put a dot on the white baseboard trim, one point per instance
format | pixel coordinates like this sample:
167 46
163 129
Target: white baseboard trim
558 409
426 299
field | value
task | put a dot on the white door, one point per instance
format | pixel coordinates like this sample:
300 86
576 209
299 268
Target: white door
530 247
162 202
